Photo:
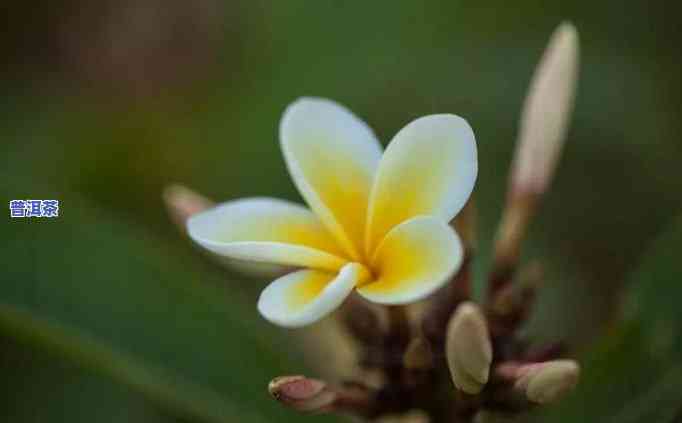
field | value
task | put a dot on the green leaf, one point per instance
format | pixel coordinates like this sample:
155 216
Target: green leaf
40 386
655 289
635 374
179 396
116 301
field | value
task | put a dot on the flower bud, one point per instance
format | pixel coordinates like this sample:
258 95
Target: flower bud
546 112
544 121
547 382
301 393
182 203
468 348
418 355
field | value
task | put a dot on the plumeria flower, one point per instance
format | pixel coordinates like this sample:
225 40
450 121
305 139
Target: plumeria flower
376 223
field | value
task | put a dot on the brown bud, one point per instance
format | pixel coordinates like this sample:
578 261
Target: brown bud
513 301
465 225
418 355
182 203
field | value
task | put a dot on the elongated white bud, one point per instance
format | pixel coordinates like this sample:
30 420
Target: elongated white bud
546 112
544 121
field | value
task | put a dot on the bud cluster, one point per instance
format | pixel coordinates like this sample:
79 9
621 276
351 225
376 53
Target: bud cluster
453 359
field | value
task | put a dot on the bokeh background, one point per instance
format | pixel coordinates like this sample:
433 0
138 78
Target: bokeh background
108 314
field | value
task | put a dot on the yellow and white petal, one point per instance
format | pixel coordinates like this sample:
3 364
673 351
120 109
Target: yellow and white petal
415 258
266 230
332 156
305 296
255 269
429 168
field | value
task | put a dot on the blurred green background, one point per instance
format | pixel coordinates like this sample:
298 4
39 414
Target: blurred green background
108 314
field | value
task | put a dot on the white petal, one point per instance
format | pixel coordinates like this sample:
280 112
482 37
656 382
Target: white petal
429 168
255 269
415 258
332 156
266 230
305 296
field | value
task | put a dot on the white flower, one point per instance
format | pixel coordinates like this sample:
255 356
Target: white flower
376 223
